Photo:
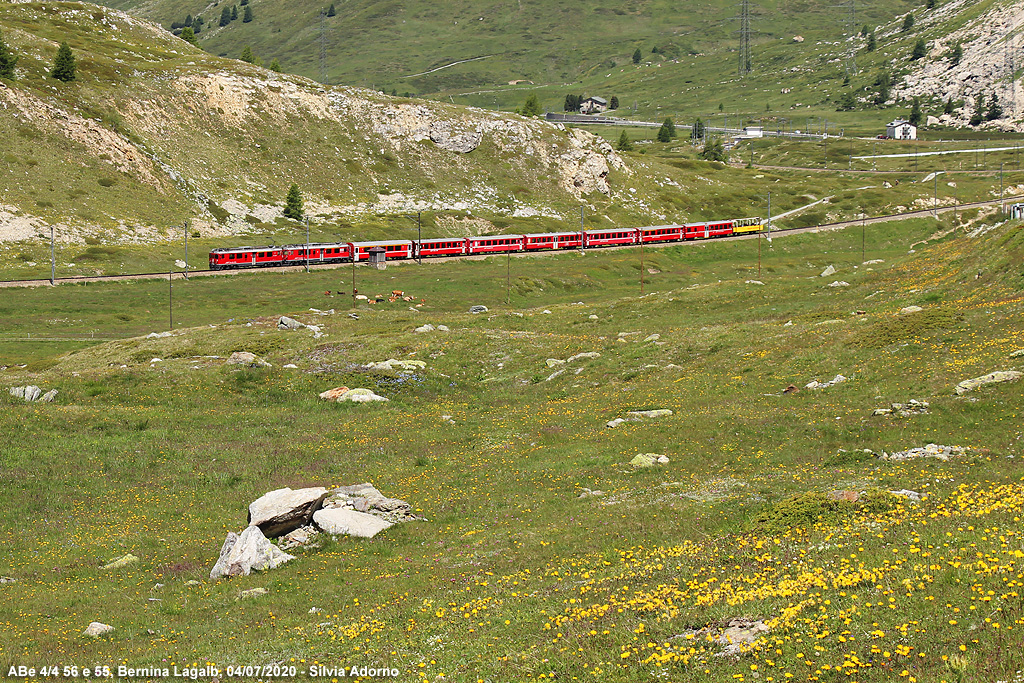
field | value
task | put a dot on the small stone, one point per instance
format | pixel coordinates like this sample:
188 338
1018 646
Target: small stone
1017 354
754 282
333 394
121 562
910 309
661 412
7 579
839 283
847 496
443 328
291 366
252 593
246 358
592 317
422 329
882 411
578 356
48 396
652 337
359 395
649 460
192 582
552 362
286 323
478 309
612 424
831 270
907 493
97 629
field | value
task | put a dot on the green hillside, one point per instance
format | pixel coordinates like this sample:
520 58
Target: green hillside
543 554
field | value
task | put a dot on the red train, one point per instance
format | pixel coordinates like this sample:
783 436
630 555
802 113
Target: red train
344 252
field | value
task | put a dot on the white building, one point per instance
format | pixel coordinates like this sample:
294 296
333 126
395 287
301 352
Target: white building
901 130
593 105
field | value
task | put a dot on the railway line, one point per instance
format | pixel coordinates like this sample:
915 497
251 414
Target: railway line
180 275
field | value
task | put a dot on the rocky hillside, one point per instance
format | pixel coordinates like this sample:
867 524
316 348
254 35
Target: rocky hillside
990 38
154 131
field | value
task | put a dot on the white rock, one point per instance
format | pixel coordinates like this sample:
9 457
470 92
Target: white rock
246 358
243 553
48 396
754 282
32 393
442 328
612 424
991 378
592 317
661 412
652 337
291 366
278 512
910 309
339 521
831 270
360 396
97 629
552 362
424 328
587 354
286 323
839 283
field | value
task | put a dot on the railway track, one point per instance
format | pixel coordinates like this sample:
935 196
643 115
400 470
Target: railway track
180 275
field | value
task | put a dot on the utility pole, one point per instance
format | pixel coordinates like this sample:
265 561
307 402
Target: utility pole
307 244
863 237
1002 204
583 247
508 278
323 47
641 235
935 195
355 250
53 259
170 298
185 225
745 60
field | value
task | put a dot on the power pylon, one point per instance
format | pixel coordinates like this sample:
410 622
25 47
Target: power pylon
745 61
323 47
850 20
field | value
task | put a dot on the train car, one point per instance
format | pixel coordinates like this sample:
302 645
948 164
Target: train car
246 257
610 237
552 240
741 226
495 244
445 246
334 252
394 249
661 233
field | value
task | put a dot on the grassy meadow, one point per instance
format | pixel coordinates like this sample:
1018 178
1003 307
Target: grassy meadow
513 575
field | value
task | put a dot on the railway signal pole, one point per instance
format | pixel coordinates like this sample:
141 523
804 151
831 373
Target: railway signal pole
307 244
184 224
419 237
583 249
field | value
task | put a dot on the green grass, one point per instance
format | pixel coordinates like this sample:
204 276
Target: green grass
513 576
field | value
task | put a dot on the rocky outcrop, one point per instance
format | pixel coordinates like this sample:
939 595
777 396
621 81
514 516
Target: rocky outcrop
286 323
249 551
278 512
32 393
991 378
930 451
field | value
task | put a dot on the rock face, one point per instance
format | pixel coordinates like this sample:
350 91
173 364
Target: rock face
337 521
991 378
278 512
97 629
248 359
242 554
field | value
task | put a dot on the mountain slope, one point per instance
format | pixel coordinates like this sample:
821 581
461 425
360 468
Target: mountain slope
154 131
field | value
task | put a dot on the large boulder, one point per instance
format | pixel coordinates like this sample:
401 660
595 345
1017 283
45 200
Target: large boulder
97 629
333 394
286 323
990 378
339 521
249 551
278 512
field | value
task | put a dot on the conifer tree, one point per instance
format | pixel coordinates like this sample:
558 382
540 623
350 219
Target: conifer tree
331 11
625 144
915 113
908 22
234 12
7 60
920 49
979 112
614 103
275 65
714 150
247 55
293 203
188 35
532 106
247 14
930 4
883 82
667 131
64 66
637 56
872 42
698 130
225 16
994 109
571 104
948 107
